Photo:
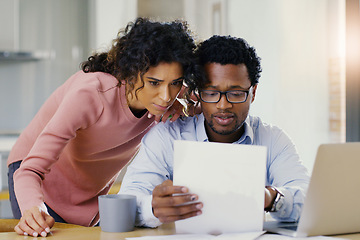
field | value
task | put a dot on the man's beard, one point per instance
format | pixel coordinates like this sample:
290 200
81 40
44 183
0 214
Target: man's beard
225 132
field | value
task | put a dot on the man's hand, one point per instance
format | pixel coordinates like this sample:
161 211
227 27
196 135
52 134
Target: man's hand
270 195
171 203
34 222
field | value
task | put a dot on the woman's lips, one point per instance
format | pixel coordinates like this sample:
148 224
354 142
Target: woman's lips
161 108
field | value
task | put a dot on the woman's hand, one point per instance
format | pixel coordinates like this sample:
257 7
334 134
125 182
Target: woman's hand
35 222
176 110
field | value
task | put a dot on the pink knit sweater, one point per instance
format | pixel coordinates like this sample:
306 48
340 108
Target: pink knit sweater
75 146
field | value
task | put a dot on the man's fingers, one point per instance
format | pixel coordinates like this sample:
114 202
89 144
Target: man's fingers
176 213
167 183
171 203
173 200
162 191
168 219
179 210
167 189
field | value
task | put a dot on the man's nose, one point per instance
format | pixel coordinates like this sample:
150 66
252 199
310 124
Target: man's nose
223 103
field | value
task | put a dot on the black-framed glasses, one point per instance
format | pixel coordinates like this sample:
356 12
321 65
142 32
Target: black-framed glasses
232 96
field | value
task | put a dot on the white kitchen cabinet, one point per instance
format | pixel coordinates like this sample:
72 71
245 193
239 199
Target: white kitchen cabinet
9 25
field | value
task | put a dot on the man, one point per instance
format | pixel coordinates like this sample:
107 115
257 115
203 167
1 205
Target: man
232 71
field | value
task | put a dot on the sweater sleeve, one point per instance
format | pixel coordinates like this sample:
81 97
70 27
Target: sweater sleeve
79 108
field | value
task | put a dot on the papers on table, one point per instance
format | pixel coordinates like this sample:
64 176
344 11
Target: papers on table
230 181
230 236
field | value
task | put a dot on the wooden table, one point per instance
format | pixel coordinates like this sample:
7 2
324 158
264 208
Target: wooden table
69 231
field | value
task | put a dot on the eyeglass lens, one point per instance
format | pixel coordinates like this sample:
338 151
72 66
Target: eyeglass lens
215 96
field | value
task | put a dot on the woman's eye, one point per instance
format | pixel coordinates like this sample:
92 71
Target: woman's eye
177 83
154 83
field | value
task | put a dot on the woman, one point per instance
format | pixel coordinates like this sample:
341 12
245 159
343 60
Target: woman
91 126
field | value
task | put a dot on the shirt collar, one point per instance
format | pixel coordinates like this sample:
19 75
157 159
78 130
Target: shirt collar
200 129
246 138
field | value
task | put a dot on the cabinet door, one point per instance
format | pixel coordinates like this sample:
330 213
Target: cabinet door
9 25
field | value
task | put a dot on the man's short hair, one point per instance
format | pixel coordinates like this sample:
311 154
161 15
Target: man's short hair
229 50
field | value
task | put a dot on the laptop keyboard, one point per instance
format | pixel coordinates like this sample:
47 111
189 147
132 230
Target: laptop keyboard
293 228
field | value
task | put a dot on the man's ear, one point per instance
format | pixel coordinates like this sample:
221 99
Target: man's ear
253 93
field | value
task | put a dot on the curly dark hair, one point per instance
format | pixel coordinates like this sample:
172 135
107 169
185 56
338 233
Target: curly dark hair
229 50
145 43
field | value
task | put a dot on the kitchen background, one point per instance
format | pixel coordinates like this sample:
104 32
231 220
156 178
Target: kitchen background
301 43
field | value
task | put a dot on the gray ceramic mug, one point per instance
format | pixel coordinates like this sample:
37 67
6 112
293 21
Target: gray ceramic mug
117 212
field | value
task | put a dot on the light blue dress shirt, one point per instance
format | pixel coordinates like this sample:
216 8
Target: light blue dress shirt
154 164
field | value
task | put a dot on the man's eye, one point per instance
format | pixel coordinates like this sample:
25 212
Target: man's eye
212 93
237 94
209 94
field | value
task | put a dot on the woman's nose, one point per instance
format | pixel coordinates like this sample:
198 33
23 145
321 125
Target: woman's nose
165 94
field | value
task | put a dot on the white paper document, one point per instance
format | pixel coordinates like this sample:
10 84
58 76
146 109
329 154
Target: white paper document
229 179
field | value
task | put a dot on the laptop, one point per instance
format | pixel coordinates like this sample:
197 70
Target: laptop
332 202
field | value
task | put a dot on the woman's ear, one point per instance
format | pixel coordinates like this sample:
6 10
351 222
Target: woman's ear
253 93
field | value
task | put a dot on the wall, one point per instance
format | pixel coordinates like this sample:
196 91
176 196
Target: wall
161 10
292 37
58 28
9 15
200 16
106 18
297 41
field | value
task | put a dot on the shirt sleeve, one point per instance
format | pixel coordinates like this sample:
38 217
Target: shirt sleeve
78 109
151 167
289 175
